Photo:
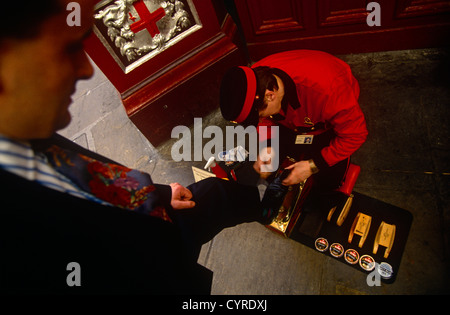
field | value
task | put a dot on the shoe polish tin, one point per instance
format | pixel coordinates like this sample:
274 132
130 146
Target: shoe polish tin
351 256
367 263
336 250
385 270
321 244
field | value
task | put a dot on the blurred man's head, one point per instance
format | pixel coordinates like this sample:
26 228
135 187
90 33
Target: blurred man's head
41 58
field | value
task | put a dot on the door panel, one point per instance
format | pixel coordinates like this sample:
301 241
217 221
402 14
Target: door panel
334 13
340 26
270 16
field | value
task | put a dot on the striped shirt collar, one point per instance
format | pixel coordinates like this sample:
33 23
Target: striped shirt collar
19 158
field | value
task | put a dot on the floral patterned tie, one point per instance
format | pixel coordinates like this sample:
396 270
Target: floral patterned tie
116 184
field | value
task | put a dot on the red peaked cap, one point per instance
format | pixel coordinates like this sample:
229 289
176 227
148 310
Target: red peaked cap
238 95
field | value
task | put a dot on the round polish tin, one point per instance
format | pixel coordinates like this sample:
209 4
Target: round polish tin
336 250
351 256
385 270
321 244
367 263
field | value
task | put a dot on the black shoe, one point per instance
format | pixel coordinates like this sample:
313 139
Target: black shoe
274 197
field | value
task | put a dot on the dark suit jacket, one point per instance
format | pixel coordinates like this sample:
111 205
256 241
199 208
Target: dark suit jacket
118 251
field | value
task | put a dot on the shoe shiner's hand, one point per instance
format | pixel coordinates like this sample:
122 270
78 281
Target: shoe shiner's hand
181 197
263 164
299 172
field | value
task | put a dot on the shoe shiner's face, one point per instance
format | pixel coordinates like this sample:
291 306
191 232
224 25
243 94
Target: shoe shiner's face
273 100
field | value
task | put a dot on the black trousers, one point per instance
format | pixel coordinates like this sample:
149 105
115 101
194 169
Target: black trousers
219 204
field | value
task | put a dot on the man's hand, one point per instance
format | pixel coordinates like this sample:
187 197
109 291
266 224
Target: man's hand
300 171
181 197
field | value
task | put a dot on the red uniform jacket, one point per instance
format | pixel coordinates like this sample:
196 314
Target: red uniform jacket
327 93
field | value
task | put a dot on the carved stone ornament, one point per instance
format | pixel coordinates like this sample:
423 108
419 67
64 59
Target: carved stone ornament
134 31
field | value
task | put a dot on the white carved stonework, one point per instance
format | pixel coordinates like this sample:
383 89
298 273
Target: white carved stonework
134 31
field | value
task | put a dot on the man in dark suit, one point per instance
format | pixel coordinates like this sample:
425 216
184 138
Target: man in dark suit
72 221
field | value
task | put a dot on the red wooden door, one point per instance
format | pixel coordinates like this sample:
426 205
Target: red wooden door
340 26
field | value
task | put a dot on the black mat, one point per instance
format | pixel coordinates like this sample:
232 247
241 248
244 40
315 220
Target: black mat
313 224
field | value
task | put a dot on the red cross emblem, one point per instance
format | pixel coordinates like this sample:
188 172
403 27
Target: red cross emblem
148 20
